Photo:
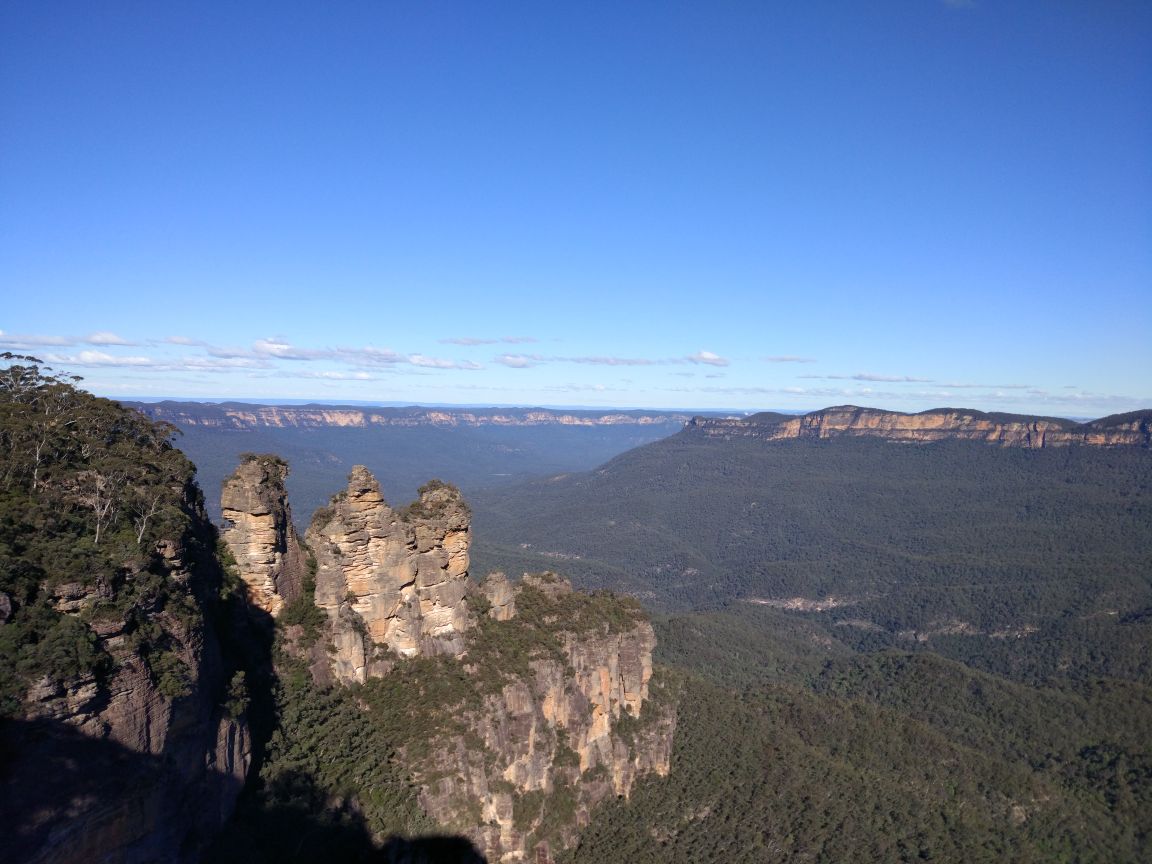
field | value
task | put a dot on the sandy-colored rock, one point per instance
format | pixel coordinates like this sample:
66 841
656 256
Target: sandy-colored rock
501 596
391 581
324 416
940 424
258 531
559 727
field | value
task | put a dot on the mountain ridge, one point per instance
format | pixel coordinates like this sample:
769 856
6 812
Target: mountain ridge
241 415
936 424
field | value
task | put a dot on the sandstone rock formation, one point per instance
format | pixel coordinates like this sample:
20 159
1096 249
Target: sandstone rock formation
258 531
517 708
939 424
501 596
574 728
124 733
391 582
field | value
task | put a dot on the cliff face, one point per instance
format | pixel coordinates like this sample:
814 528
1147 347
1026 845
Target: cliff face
171 764
935 425
123 730
258 531
524 764
514 708
391 582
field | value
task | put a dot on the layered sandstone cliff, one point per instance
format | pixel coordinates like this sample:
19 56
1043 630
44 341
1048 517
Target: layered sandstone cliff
550 734
941 424
515 708
259 533
392 582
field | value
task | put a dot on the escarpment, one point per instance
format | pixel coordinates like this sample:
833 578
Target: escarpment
233 415
941 424
125 735
558 710
259 534
514 708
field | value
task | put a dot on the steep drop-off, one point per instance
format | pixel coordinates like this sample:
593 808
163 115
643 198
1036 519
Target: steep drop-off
259 533
124 735
514 709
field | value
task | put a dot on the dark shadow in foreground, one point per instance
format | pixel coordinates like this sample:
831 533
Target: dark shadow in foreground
292 821
431 850
67 796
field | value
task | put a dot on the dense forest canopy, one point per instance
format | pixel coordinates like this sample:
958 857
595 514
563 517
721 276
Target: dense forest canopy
87 488
960 546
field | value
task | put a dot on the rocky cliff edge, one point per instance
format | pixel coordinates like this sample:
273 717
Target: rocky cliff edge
515 708
939 424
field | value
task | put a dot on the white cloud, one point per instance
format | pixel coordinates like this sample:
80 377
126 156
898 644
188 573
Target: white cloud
612 361
869 376
99 358
788 358
958 386
370 356
220 364
467 340
185 340
332 375
281 350
473 340
891 379
13 340
708 358
105 337
216 351
582 388
439 363
518 361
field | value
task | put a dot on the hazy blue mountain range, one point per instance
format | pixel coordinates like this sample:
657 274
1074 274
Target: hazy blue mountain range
403 447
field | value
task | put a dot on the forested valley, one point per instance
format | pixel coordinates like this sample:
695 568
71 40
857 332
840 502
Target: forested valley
887 652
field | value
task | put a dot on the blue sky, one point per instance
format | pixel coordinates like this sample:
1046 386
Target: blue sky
729 205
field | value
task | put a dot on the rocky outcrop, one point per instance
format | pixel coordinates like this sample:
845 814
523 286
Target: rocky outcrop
941 424
577 725
515 708
501 596
258 531
141 761
392 582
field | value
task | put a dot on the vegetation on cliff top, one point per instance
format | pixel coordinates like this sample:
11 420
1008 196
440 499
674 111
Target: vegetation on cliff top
423 696
87 489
